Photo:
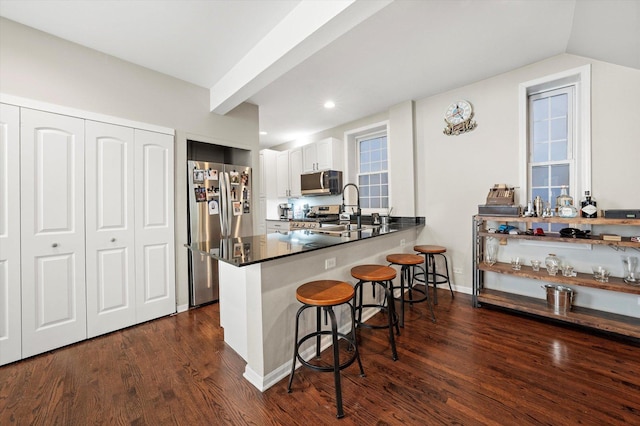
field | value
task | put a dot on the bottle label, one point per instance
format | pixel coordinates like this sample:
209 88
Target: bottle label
589 209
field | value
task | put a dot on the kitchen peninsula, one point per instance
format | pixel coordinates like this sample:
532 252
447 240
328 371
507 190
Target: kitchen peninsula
259 276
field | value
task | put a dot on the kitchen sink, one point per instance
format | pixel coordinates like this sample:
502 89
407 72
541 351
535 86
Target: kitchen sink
343 230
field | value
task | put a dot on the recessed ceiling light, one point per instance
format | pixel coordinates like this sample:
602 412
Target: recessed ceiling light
263 133
329 104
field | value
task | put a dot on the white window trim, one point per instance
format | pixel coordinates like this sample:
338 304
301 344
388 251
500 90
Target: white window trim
581 77
350 173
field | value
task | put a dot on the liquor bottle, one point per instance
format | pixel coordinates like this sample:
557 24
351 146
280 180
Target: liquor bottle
588 206
568 210
561 200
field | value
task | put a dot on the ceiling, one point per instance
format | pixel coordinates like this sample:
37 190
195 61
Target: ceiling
290 56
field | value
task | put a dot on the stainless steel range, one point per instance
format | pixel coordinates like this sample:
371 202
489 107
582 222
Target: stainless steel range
316 216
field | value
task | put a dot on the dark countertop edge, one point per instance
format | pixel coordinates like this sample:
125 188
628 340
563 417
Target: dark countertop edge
397 224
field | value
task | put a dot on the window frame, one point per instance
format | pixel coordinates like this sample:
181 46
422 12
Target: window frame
379 133
352 159
581 173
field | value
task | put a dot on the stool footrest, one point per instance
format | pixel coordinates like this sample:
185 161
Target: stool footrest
342 366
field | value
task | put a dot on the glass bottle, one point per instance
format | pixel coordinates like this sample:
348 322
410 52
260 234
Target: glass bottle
588 205
561 200
552 262
568 210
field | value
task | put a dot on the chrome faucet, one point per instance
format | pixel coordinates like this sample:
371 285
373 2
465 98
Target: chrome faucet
359 211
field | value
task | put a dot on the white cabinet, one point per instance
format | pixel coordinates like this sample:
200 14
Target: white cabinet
52 228
295 170
261 227
289 169
268 178
325 154
282 174
109 159
154 230
10 322
280 226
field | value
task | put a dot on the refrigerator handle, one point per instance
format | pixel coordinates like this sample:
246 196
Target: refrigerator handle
223 205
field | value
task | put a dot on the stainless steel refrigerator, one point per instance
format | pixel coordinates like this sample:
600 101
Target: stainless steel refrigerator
219 207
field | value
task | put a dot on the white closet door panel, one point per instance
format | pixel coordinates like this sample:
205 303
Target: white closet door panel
10 322
155 258
52 228
110 236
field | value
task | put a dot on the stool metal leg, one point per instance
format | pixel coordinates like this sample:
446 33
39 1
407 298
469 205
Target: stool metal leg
336 360
355 342
391 313
446 269
295 348
432 264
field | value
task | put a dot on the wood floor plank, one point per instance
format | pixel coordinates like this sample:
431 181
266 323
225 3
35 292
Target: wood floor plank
471 367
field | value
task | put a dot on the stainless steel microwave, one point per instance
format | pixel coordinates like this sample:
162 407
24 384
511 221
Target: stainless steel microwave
328 182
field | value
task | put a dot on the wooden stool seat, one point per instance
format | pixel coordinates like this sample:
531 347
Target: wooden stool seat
373 272
324 293
405 259
429 249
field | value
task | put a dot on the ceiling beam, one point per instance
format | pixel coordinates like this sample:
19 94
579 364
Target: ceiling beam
308 28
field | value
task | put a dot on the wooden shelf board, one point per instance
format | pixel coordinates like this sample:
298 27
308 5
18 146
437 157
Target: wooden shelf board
555 237
570 220
614 323
582 279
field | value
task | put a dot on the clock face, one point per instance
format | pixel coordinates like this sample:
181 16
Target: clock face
458 112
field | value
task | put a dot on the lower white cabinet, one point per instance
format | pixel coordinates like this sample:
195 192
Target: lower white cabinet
10 309
86 229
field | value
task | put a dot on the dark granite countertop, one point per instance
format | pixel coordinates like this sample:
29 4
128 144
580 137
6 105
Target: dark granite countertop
262 248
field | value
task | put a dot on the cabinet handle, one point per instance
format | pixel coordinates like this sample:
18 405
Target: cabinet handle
54 245
113 240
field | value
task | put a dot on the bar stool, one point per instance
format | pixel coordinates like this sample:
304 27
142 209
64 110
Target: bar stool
433 277
325 294
382 276
408 263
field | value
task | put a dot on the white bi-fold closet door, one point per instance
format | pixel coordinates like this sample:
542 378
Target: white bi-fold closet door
110 233
97 232
10 330
52 231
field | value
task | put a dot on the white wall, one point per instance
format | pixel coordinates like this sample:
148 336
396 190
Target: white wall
457 171
38 66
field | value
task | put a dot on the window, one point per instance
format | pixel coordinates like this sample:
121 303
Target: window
367 165
551 142
555 138
373 171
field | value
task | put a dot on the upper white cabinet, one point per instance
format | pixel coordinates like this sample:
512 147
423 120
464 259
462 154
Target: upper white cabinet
289 169
295 170
268 173
154 230
10 322
325 154
282 174
110 227
52 228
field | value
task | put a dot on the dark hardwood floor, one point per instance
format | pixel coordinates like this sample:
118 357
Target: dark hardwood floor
472 367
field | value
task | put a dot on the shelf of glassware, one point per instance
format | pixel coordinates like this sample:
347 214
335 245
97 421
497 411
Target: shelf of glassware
615 323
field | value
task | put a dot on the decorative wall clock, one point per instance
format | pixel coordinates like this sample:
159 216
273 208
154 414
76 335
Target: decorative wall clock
459 118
